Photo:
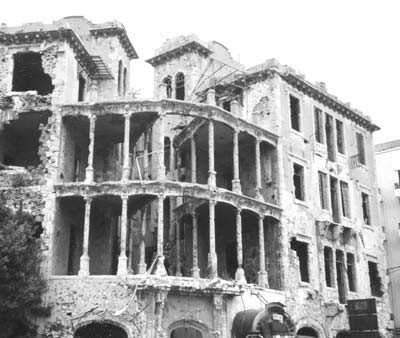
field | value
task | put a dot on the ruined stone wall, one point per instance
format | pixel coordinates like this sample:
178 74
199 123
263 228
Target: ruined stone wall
299 217
111 52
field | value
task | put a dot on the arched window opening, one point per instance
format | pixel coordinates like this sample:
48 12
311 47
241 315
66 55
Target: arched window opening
307 332
180 86
226 105
100 330
167 153
168 86
125 83
120 70
81 88
186 332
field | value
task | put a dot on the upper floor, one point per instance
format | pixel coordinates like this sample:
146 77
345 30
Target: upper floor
69 60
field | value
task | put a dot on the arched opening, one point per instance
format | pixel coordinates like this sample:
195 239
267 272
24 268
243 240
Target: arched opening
167 153
180 86
186 332
100 330
168 86
307 332
120 73
125 82
81 88
343 334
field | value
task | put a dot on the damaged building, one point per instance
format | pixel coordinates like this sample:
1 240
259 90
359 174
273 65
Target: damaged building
236 202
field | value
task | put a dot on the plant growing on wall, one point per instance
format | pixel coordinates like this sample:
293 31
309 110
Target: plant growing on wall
21 282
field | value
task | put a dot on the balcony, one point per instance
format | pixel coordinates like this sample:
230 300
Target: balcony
397 189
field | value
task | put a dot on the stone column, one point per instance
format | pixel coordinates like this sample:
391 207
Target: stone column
193 159
346 276
236 187
160 268
89 168
161 171
145 174
195 268
142 263
212 256
123 259
235 108
262 275
126 167
211 172
178 248
334 275
211 97
84 261
239 275
258 169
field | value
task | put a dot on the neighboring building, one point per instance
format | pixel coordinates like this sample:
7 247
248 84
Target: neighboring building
388 170
248 195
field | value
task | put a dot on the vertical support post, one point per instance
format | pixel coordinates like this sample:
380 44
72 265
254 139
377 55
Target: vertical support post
239 275
258 169
212 256
193 159
142 263
178 248
145 156
211 97
123 259
161 172
195 267
84 261
160 268
262 274
236 187
211 171
126 167
89 168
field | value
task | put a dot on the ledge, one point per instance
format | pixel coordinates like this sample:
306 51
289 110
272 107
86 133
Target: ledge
169 107
169 188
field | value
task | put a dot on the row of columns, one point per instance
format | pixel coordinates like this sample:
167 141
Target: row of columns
159 267
236 185
126 166
212 255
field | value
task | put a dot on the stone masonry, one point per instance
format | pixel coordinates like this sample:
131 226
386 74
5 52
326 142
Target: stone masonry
235 201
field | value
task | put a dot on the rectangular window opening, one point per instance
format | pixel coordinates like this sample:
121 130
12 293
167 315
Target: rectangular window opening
301 249
322 182
360 148
339 137
328 258
344 194
329 132
374 279
340 275
334 200
319 129
365 208
351 271
295 112
298 181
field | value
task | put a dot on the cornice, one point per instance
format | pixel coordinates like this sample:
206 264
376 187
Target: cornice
83 57
122 36
176 52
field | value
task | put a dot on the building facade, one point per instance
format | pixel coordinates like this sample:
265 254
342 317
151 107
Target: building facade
388 169
236 201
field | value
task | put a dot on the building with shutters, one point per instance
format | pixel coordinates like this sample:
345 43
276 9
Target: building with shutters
388 170
236 202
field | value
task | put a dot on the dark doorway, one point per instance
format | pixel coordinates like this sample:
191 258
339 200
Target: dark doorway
186 332
100 330
307 332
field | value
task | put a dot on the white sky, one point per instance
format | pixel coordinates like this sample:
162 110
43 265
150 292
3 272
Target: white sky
351 45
